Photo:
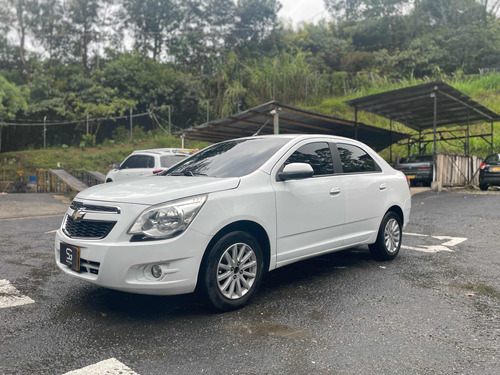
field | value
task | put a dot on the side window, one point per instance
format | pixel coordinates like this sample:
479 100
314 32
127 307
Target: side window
139 161
316 154
150 161
131 162
355 159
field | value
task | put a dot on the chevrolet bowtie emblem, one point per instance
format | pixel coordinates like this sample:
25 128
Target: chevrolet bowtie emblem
78 215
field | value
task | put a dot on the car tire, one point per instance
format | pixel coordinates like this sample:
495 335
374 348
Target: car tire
389 238
483 187
226 283
109 180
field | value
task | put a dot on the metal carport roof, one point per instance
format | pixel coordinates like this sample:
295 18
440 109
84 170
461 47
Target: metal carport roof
414 106
292 120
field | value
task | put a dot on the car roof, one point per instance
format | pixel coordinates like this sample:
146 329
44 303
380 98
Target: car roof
165 151
302 136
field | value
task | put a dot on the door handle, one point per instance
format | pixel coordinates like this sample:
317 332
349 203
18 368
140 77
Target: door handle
334 191
382 187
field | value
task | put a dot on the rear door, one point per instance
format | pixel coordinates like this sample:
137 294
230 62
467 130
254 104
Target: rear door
310 211
364 191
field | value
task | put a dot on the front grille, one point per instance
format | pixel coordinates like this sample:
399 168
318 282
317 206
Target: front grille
75 205
92 229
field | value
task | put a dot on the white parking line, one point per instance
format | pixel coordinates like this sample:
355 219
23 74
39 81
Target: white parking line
10 296
451 241
51 231
110 366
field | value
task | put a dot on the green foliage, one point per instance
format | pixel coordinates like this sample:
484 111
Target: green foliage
121 135
12 100
228 56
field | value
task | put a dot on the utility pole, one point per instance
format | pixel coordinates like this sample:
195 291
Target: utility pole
208 111
44 132
130 123
169 121
87 124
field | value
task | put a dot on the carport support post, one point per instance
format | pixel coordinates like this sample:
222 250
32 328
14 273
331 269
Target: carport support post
491 151
356 123
390 146
434 158
276 121
467 147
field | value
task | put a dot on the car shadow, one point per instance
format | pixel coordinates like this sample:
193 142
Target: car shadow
111 304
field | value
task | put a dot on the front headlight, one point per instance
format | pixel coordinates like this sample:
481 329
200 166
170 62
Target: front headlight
168 219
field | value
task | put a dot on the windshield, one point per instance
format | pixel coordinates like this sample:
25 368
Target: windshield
229 159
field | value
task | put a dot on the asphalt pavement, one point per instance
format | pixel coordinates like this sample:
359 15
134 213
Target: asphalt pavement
434 310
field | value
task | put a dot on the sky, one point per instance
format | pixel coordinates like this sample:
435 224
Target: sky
302 10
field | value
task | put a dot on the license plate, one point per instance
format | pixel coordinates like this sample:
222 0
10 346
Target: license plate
410 176
495 169
70 256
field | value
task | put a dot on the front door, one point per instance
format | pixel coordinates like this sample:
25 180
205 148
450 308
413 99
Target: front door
310 211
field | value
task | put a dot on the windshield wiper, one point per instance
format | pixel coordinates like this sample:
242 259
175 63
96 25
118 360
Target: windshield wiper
187 173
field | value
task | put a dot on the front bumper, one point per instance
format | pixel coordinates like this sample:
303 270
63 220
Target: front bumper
116 263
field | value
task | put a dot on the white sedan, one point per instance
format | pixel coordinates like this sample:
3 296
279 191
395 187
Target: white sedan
220 219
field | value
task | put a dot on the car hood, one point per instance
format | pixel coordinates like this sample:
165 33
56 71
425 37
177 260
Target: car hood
157 189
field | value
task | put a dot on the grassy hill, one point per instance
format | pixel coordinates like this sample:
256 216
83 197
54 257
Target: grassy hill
484 89
75 159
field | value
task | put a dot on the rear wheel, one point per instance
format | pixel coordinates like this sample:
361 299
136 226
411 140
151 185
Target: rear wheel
232 272
483 187
389 238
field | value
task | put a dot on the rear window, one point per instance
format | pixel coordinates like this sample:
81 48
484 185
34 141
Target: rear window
419 159
169 160
492 159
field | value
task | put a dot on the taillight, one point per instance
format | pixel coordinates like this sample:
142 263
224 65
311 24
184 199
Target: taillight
157 171
482 166
427 168
408 181
400 168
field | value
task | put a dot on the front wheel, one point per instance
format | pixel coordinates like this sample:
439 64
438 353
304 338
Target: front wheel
389 238
232 272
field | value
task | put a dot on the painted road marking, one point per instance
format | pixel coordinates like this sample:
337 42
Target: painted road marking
10 296
110 366
450 241
52 231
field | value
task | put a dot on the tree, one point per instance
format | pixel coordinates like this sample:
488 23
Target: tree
353 10
154 24
82 27
12 102
20 18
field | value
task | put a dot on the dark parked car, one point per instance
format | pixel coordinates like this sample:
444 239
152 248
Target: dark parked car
489 172
418 168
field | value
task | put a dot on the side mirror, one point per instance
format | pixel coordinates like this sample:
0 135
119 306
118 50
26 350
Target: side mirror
296 171
116 166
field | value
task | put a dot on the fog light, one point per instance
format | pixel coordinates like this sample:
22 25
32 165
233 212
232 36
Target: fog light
156 271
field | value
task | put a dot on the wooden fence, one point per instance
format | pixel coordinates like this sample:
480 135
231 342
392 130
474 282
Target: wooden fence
456 170
57 181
